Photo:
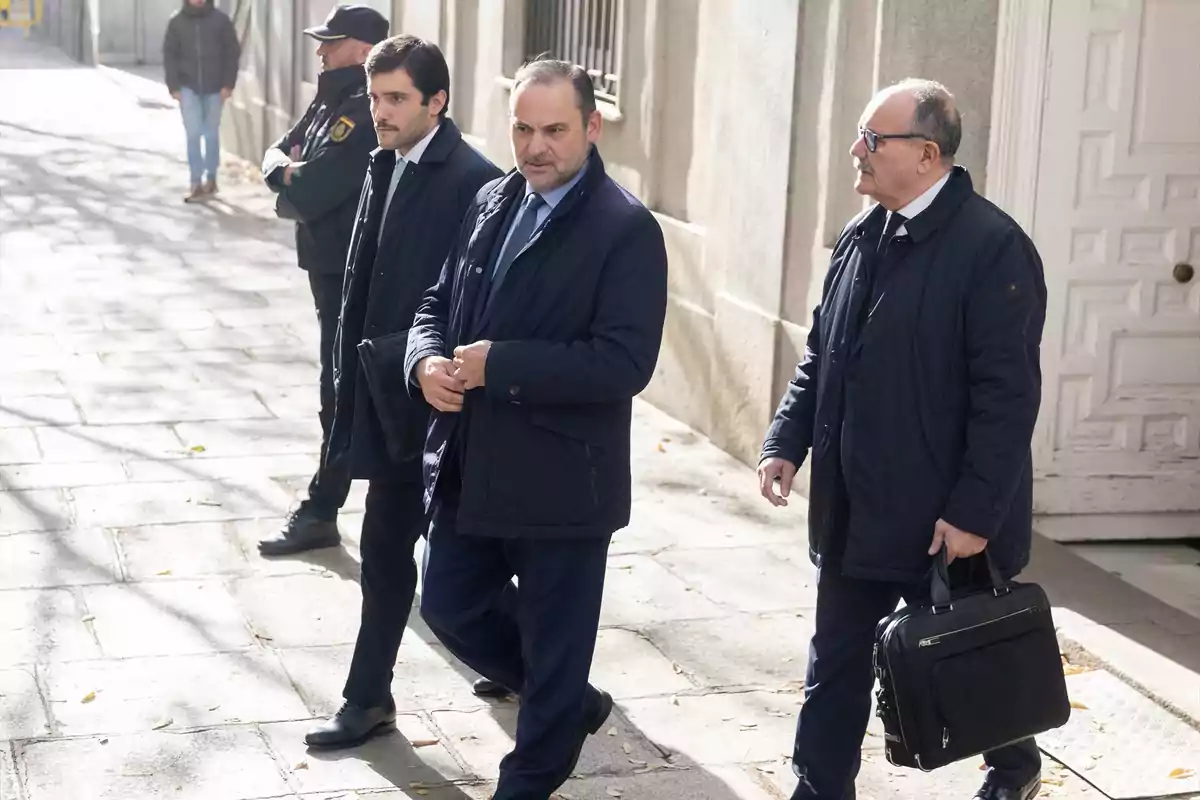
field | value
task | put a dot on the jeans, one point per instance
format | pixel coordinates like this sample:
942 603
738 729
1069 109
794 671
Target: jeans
202 120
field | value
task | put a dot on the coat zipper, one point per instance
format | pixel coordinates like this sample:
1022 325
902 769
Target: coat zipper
932 640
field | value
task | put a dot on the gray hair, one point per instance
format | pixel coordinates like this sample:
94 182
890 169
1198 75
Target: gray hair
543 70
936 116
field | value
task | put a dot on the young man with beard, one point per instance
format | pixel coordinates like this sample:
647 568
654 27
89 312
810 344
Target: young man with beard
419 184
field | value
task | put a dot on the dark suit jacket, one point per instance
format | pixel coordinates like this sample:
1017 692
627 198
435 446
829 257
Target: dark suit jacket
928 410
379 428
543 448
336 137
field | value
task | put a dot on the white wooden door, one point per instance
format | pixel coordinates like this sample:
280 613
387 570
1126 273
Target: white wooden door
1118 207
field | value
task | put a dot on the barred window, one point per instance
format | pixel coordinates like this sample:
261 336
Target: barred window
583 32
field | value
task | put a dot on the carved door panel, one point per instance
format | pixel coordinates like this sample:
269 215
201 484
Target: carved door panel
1118 207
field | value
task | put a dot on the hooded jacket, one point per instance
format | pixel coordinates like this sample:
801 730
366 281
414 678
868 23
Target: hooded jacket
200 50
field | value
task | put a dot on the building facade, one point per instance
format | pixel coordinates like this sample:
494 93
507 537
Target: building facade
732 120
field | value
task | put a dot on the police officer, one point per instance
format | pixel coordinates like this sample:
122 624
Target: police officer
317 169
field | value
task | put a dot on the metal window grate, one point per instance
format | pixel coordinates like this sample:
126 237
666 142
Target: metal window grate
584 32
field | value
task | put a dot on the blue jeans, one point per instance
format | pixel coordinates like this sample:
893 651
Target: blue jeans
202 120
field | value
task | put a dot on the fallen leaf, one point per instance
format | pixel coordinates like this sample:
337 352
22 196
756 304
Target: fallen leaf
104 741
89 697
163 572
678 669
627 747
162 723
613 791
423 742
198 448
1075 669
422 792
747 726
1180 773
1078 705
88 618
660 448
214 708
612 731
637 762
208 502
1052 781
674 700
132 773
301 765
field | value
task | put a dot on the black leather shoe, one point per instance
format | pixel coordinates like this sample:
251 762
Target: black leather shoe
989 791
351 726
597 706
490 689
303 531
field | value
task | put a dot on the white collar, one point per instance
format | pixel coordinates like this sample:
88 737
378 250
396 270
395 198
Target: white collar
924 201
418 149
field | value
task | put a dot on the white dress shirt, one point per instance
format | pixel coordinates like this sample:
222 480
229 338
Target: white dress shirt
924 201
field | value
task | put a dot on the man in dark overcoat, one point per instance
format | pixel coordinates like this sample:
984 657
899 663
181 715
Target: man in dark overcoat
420 183
915 401
317 170
544 325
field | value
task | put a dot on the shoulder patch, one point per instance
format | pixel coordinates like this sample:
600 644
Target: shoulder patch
341 129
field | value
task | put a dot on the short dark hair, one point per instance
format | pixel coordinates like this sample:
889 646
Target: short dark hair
544 69
936 116
421 59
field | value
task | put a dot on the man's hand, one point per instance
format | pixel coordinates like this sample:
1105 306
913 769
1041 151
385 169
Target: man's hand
775 469
226 94
471 361
959 544
442 389
178 95
294 155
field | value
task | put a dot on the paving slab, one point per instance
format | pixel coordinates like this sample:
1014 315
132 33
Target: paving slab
769 651
39 410
169 618
712 783
61 475
18 445
8 773
750 579
186 550
38 510
22 715
301 610
40 625
172 406
108 442
179 501
412 755
227 763
176 692
59 558
484 736
252 437
740 728
1123 743
639 590
627 665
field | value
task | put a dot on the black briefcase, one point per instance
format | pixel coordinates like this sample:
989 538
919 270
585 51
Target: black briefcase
967 674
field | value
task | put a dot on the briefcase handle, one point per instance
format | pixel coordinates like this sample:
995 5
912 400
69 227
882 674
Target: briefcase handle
939 580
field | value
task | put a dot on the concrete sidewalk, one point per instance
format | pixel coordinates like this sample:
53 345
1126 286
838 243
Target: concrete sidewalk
158 414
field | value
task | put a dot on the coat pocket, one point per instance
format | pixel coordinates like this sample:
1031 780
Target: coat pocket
403 417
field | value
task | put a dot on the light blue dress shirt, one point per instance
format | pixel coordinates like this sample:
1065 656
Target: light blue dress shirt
551 200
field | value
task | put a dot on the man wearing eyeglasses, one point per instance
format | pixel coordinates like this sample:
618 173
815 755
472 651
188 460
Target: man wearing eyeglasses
916 400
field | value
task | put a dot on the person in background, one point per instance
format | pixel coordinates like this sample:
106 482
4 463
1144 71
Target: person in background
317 170
916 397
200 59
420 183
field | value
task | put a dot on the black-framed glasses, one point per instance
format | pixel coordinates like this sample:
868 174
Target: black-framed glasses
872 138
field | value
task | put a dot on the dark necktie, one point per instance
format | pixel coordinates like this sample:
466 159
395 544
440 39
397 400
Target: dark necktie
894 221
520 237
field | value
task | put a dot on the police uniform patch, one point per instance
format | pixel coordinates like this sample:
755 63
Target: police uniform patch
341 129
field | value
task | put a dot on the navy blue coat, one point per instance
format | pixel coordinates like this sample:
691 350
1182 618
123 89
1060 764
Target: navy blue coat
929 411
576 326
379 427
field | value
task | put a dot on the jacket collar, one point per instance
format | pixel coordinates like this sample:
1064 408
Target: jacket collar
337 82
513 185
957 189
952 195
440 147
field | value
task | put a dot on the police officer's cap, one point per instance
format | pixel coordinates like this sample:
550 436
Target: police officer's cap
351 22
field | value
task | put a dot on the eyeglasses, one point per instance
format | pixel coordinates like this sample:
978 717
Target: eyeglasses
872 138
